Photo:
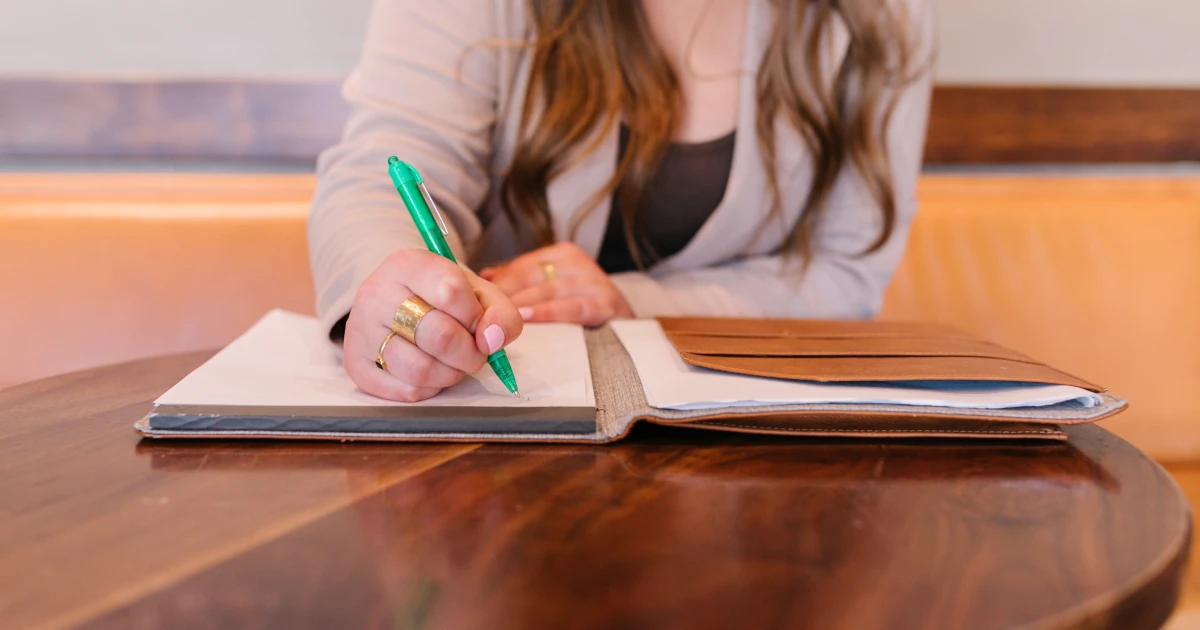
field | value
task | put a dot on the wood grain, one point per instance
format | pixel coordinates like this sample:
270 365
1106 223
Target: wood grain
87 525
1187 614
1001 124
668 529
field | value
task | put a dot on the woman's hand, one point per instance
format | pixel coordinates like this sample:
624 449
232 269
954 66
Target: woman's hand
471 319
579 291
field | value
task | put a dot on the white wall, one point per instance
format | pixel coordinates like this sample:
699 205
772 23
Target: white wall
1115 42
281 39
1084 42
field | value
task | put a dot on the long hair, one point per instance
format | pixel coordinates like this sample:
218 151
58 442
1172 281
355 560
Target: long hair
596 62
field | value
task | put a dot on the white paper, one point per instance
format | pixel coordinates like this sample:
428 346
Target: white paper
671 383
285 360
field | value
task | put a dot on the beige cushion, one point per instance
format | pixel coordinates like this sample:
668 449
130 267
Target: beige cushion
1100 277
103 269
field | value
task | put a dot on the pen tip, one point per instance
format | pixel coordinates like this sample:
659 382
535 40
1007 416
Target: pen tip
517 393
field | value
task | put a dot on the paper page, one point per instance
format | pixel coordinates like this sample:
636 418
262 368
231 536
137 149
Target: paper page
671 383
284 360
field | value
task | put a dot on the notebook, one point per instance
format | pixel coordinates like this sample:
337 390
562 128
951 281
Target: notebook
283 379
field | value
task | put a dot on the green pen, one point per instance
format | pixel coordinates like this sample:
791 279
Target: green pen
422 209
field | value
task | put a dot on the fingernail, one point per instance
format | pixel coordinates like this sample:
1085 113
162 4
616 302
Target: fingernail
526 312
494 336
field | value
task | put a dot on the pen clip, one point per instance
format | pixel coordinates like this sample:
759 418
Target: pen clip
433 206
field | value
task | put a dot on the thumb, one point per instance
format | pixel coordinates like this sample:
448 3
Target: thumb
500 323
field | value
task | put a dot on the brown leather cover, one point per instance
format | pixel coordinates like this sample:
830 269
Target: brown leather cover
840 351
621 403
874 425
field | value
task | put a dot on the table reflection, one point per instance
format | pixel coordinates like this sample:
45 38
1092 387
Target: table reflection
679 525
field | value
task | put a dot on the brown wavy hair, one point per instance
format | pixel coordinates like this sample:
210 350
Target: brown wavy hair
596 62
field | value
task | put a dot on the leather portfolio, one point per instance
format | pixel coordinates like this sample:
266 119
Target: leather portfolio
861 379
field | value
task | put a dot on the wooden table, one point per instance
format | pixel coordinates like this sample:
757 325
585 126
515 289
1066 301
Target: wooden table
670 529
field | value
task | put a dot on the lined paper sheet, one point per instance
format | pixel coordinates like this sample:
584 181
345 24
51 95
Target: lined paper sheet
671 383
285 361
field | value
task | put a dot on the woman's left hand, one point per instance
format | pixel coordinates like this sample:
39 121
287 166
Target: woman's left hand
559 283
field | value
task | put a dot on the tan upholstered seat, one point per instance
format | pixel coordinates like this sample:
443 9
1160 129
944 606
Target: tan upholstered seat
109 268
1098 276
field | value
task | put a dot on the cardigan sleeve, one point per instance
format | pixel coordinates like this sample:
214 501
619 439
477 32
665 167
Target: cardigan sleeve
423 90
839 282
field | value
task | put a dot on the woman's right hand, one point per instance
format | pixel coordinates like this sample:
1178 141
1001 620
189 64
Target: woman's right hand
471 319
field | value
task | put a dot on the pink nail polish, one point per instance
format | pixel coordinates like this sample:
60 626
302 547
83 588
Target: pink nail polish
494 336
526 312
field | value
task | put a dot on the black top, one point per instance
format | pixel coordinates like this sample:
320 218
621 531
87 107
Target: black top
678 199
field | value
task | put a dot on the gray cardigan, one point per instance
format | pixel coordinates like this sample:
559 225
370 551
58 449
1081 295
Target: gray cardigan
433 88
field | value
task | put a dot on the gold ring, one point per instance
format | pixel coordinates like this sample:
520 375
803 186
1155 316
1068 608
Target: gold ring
379 357
547 270
409 316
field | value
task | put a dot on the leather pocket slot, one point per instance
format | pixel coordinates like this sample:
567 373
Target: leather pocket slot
889 369
890 346
810 329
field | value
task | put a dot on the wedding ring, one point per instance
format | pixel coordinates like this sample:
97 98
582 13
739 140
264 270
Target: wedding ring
547 270
379 357
409 316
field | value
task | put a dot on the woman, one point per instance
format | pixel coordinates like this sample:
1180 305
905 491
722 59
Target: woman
597 159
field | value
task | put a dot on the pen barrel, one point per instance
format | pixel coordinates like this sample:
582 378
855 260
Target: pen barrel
430 231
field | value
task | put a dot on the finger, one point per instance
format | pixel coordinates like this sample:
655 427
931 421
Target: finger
556 290
446 340
416 367
376 382
405 362
513 278
500 324
526 270
436 280
576 310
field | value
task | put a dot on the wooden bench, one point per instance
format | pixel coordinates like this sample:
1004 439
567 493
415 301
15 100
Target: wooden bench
1100 276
